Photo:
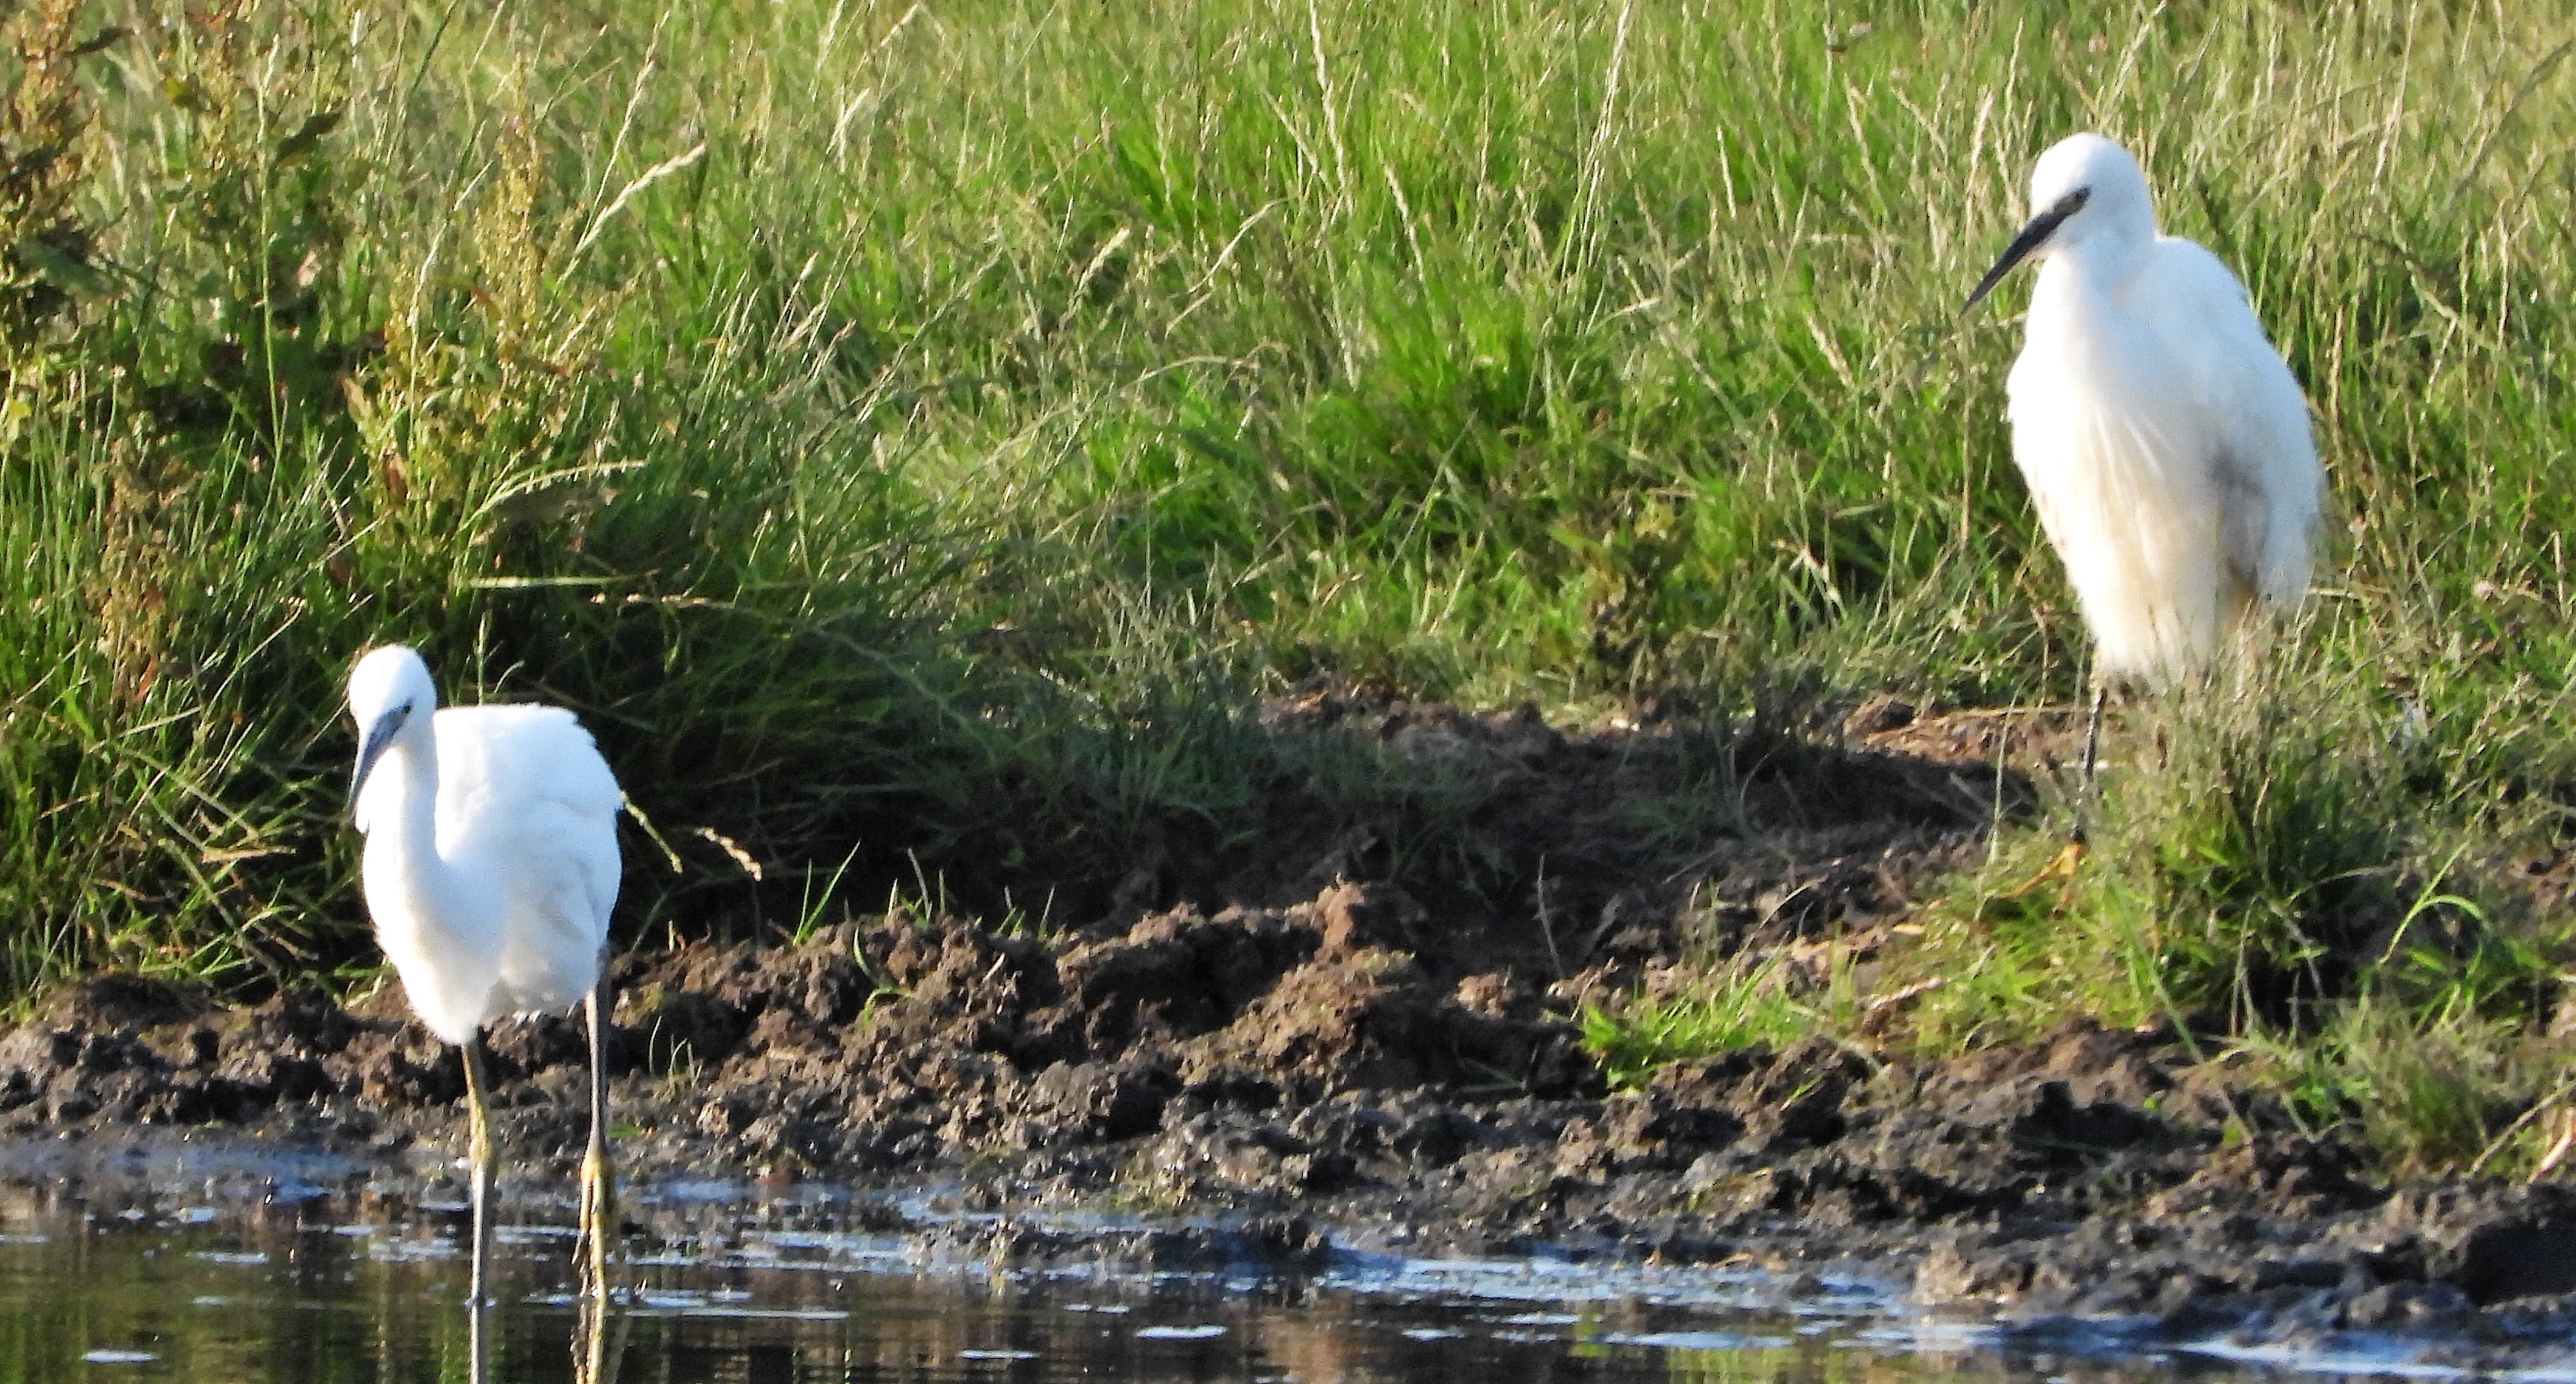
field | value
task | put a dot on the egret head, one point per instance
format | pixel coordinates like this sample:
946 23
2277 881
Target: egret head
389 692
2085 189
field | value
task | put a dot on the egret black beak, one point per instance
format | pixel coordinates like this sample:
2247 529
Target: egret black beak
2032 236
380 737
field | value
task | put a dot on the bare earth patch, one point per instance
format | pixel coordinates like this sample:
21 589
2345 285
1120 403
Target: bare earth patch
1330 1055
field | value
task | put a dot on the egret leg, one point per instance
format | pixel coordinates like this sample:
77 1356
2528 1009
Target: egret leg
479 1187
2085 793
598 1196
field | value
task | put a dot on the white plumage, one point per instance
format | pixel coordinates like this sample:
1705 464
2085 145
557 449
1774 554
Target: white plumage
491 861
2163 439
490 869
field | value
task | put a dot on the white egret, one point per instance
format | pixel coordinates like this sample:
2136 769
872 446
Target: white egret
2163 439
491 864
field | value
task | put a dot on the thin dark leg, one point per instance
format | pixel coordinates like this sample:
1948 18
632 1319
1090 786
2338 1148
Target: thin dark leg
479 1188
2085 794
598 1199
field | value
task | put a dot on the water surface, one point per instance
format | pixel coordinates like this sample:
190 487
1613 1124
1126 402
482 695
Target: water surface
190 1268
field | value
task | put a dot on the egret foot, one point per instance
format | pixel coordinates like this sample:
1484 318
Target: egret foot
597 1348
2061 867
598 1224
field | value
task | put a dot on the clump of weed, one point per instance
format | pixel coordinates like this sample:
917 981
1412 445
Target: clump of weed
47 247
2249 871
1733 993
1751 1002
2239 873
2247 884
2441 1062
238 197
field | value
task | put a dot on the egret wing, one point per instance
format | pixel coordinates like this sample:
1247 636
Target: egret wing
526 800
2264 459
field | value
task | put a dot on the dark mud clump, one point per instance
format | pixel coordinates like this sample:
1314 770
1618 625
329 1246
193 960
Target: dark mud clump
1384 1071
1293 1065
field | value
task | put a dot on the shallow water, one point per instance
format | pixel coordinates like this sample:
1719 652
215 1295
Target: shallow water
184 1267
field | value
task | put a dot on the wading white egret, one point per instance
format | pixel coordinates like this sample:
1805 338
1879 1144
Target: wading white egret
2163 439
490 867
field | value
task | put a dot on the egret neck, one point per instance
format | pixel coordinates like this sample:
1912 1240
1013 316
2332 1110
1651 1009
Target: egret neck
425 910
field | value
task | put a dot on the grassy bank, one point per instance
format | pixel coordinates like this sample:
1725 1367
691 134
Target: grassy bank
915 436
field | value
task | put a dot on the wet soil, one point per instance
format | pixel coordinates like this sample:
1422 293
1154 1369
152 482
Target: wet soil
1328 1060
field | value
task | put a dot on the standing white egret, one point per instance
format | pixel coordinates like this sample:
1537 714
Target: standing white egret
491 865
2163 439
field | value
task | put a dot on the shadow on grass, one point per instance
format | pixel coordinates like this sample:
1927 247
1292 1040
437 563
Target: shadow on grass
1580 855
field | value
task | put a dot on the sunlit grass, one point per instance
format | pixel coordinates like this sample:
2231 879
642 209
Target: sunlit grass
1748 1007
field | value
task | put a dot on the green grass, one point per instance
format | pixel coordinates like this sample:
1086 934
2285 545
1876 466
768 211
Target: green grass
913 437
1764 1001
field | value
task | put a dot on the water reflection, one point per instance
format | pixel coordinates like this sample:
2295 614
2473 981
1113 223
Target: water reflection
196 1279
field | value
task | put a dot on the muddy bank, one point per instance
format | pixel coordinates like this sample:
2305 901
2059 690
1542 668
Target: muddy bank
1300 1070
1357 1067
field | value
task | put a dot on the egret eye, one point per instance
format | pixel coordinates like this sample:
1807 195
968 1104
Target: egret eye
2071 203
